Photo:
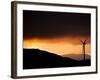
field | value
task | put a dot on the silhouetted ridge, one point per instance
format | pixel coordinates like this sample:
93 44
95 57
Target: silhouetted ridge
35 58
77 56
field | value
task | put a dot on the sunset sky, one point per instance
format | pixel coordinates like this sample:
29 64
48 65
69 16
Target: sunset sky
56 32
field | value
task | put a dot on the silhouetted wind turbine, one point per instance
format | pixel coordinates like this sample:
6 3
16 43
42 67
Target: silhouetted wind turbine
83 49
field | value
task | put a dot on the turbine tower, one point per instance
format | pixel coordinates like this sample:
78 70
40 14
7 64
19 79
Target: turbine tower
83 49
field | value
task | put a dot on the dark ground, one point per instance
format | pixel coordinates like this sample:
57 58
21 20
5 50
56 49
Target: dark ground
35 58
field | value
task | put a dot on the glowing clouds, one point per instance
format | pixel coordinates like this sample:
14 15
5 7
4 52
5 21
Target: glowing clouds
59 46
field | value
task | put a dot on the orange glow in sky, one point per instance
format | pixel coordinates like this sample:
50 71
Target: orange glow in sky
60 46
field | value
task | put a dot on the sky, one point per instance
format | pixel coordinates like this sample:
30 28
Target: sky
57 32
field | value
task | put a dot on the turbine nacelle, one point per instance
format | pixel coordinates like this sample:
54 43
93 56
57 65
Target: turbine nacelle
83 42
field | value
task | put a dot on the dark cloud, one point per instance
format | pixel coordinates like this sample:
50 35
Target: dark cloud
42 24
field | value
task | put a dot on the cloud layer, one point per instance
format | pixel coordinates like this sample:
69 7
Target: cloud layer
40 24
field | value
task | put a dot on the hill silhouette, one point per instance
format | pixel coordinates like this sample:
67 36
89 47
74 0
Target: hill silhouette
35 58
76 56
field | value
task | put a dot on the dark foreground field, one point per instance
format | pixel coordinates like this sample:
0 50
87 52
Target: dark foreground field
35 58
